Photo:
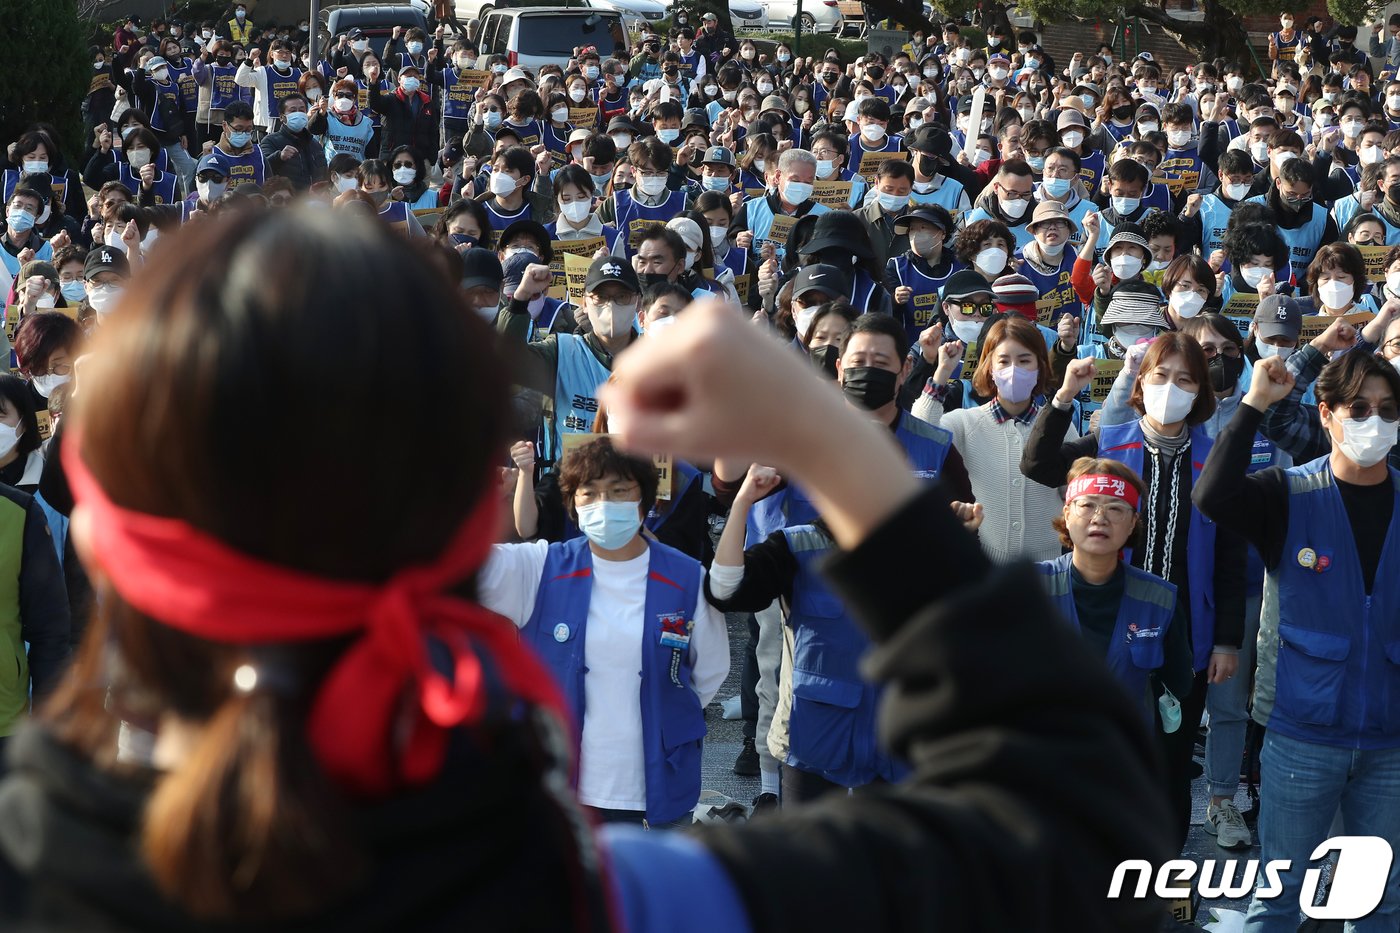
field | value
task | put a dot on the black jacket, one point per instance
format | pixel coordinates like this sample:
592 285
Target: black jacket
303 171
1030 768
403 126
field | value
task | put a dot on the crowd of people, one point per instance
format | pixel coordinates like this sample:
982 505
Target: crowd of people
1139 320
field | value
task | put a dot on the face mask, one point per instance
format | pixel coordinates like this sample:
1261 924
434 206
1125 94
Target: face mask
73 291
20 220
1225 372
492 119
404 175
501 184
591 72
415 48
138 158
36 167
765 87
9 437
979 156
1054 251
1014 383
1235 192
668 136
296 121
1371 154
1073 139
1167 404
1125 206
343 105
923 243
1087 100
160 75
360 45
610 525
1148 126
409 85
893 202
803 318
997 74
1260 151
651 185
576 211
1013 209
872 132
559 114
622 141
236 140
210 191
45 301
650 279
869 387
1027 113
600 181
1253 275
279 64
1179 139
344 184
967 331
1368 441
1056 187
103 298
824 358
990 261
46 383
1392 282
1351 128
914 123
498 68
606 315
240 14
1124 266
714 183
1267 350
1335 295
796 192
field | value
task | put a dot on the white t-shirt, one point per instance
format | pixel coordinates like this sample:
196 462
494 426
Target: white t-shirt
611 760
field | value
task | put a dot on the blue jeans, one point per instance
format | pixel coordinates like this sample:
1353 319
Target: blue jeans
1228 716
1301 786
183 164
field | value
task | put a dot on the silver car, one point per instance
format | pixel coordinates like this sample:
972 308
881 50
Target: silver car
817 15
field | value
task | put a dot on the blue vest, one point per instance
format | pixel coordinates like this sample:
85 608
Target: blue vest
246 169
892 142
657 518
947 195
1135 649
1091 169
577 378
362 90
1124 442
1337 679
1022 235
163 187
1303 240
924 307
59 182
457 96
1181 169
531 132
673 724
223 90
500 221
648 869
1158 196
831 729
183 75
690 63
633 218
1057 296
281 85
925 445
169 91
1215 217
761 222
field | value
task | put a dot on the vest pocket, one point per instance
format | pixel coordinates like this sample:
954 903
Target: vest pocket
1311 667
1147 653
821 728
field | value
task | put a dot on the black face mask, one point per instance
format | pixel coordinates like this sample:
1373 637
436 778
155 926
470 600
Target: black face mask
1225 371
926 164
870 387
648 279
824 358
835 257
1392 194
1123 113
1291 205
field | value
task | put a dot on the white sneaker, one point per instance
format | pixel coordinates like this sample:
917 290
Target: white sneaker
1225 823
732 708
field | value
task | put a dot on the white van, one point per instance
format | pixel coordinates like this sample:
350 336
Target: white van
536 36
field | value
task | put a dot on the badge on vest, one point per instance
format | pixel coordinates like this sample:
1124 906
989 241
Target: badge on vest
675 630
561 632
1309 559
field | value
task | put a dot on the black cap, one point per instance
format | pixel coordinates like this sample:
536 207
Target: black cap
821 278
965 284
620 124
481 267
356 33
843 229
934 214
1278 316
931 139
607 269
534 229
106 259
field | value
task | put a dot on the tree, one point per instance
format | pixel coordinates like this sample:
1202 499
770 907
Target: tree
47 70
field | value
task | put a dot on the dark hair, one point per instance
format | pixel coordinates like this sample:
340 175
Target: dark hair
1245 240
896 168
1339 257
596 458
32 140
1187 266
655 293
972 236
15 392
376 169
1092 465
517 159
651 151
1017 328
840 307
709 200
1236 162
42 334
249 824
1129 171
1171 343
574 174
237 110
1299 174
1216 322
464 206
294 95
671 238
419 168
1342 380
881 324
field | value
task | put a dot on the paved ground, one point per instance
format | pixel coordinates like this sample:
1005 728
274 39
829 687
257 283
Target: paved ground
725 739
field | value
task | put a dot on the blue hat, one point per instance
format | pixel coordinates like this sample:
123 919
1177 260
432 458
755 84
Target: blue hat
211 163
515 267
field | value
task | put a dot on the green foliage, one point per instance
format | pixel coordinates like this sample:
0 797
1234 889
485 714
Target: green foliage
47 69
1356 12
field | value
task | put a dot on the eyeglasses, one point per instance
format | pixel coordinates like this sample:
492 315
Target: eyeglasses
1116 512
62 369
1212 350
1013 195
404 165
1361 409
977 310
627 493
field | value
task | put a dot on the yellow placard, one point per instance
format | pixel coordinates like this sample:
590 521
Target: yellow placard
1105 374
753 192
1374 256
636 227
870 163
583 117
742 284
1241 305
45 421
833 193
585 247
474 78
782 226
1315 324
665 464
576 275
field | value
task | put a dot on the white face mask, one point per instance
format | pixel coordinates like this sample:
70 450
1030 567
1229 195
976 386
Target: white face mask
606 316
990 261
9 438
1186 303
210 191
501 184
1072 139
575 211
1371 154
1253 275
1392 283
967 331
997 74
1167 404
1235 192
1335 295
872 132
102 298
1013 209
1179 139
1267 350
1125 266
577 94
1148 126
803 317
343 105
45 301
404 176
345 183
651 185
138 158
559 114
1368 441
46 383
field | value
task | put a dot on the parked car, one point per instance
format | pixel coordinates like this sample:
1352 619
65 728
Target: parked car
537 36
817 15
748 15
376 20
635 13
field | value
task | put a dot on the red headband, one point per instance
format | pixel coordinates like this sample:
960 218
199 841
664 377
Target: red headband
189 580
1102 484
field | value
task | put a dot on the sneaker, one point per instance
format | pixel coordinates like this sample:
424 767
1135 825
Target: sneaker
765 802
1227 826
746 765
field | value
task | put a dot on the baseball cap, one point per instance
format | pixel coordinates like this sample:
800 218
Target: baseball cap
534 229
930 213
1278 316
211 163
821 278
106 259
154 62
710 16
579 136
607 269
481 267
718 155
514 269
965 284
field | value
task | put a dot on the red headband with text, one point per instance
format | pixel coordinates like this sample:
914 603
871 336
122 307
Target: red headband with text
1102 484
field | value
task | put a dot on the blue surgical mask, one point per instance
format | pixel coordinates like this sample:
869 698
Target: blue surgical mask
20 220
610 525
1037 163
1125 206
73 291
714 183
409 85
239 140
601 181
1056 187
296 121
492 119
591 72
668 136
415 48
893 202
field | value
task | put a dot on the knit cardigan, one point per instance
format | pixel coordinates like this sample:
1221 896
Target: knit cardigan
1017 511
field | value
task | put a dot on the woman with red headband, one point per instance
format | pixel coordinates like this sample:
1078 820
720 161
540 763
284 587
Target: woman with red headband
1129 616
291 714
